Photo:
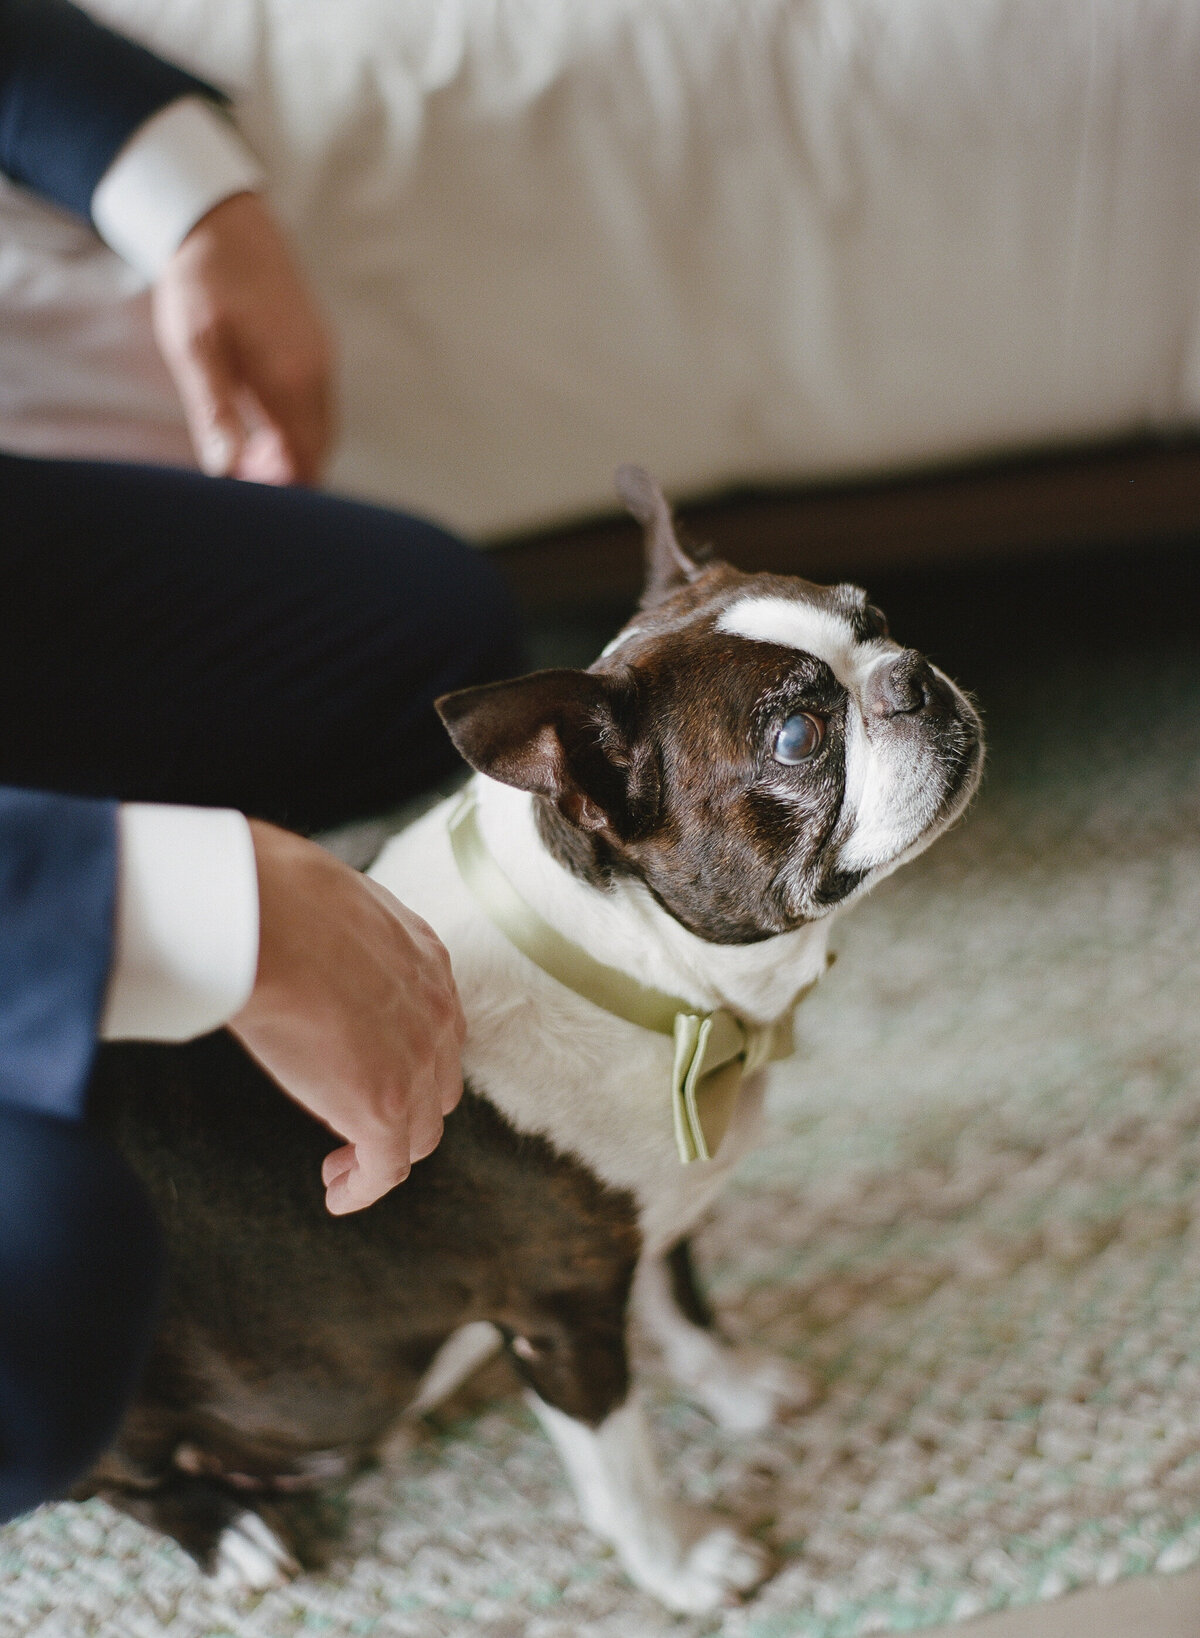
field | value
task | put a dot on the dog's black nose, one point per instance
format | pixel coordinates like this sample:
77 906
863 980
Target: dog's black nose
902 686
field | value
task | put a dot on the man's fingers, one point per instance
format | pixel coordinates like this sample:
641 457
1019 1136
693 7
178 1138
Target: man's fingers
425 1123
296 409
345 1194
337 1163
369 1046
207 387
358 1174
460 1018
425 1138
373 1172
247 346
265 457
451 1092
448 1080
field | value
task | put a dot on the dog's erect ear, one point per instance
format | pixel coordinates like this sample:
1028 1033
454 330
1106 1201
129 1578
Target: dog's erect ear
562 734
667 564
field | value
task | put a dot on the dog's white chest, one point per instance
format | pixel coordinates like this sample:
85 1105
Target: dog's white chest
597 1087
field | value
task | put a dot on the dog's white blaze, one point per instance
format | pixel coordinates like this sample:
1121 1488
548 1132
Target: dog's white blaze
803 626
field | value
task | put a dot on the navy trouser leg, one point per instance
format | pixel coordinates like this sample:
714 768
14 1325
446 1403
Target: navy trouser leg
170 637
80 1257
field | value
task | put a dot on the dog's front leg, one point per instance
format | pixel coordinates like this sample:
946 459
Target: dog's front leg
687 1558
742 1389
577 1368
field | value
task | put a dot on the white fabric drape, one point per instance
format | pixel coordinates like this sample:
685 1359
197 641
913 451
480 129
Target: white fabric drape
728 239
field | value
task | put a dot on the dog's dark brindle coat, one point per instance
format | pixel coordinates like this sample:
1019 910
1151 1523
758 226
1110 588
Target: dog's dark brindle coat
286 1332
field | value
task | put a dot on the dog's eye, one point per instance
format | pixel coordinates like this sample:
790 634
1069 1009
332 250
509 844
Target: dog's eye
798 739
876 621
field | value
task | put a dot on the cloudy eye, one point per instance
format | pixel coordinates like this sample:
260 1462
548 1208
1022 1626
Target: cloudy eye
798 739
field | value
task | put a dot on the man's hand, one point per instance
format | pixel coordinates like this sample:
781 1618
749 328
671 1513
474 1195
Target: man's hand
354 1013
249 353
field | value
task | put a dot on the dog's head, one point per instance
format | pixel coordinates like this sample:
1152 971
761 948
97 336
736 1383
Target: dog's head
755 748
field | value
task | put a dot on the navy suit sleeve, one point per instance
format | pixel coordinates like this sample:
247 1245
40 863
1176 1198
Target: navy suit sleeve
58 872
72 93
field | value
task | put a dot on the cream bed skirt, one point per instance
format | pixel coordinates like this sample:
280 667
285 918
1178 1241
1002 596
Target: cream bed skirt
733 240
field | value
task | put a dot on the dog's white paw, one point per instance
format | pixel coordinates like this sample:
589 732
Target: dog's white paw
250 1558
746 1391
714 1571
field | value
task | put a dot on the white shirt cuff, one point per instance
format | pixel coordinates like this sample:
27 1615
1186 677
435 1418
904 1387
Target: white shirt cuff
186 949
184 160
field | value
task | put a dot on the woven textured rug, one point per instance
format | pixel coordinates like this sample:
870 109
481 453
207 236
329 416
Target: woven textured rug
977 1225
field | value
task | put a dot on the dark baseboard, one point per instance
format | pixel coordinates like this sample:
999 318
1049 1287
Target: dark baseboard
1133 493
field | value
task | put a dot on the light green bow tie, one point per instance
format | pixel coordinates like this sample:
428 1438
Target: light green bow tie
713 1050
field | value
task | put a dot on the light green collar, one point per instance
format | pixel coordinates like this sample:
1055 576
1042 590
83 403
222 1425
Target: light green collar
712 1050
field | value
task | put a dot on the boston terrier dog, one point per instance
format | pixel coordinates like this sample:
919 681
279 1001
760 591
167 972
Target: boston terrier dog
635 891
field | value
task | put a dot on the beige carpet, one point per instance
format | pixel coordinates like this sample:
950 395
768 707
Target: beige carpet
978 1226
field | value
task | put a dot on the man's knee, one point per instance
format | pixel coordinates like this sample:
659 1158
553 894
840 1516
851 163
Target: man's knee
490 634
469 627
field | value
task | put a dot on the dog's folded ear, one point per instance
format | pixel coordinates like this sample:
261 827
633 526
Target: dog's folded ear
668 566
562 734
